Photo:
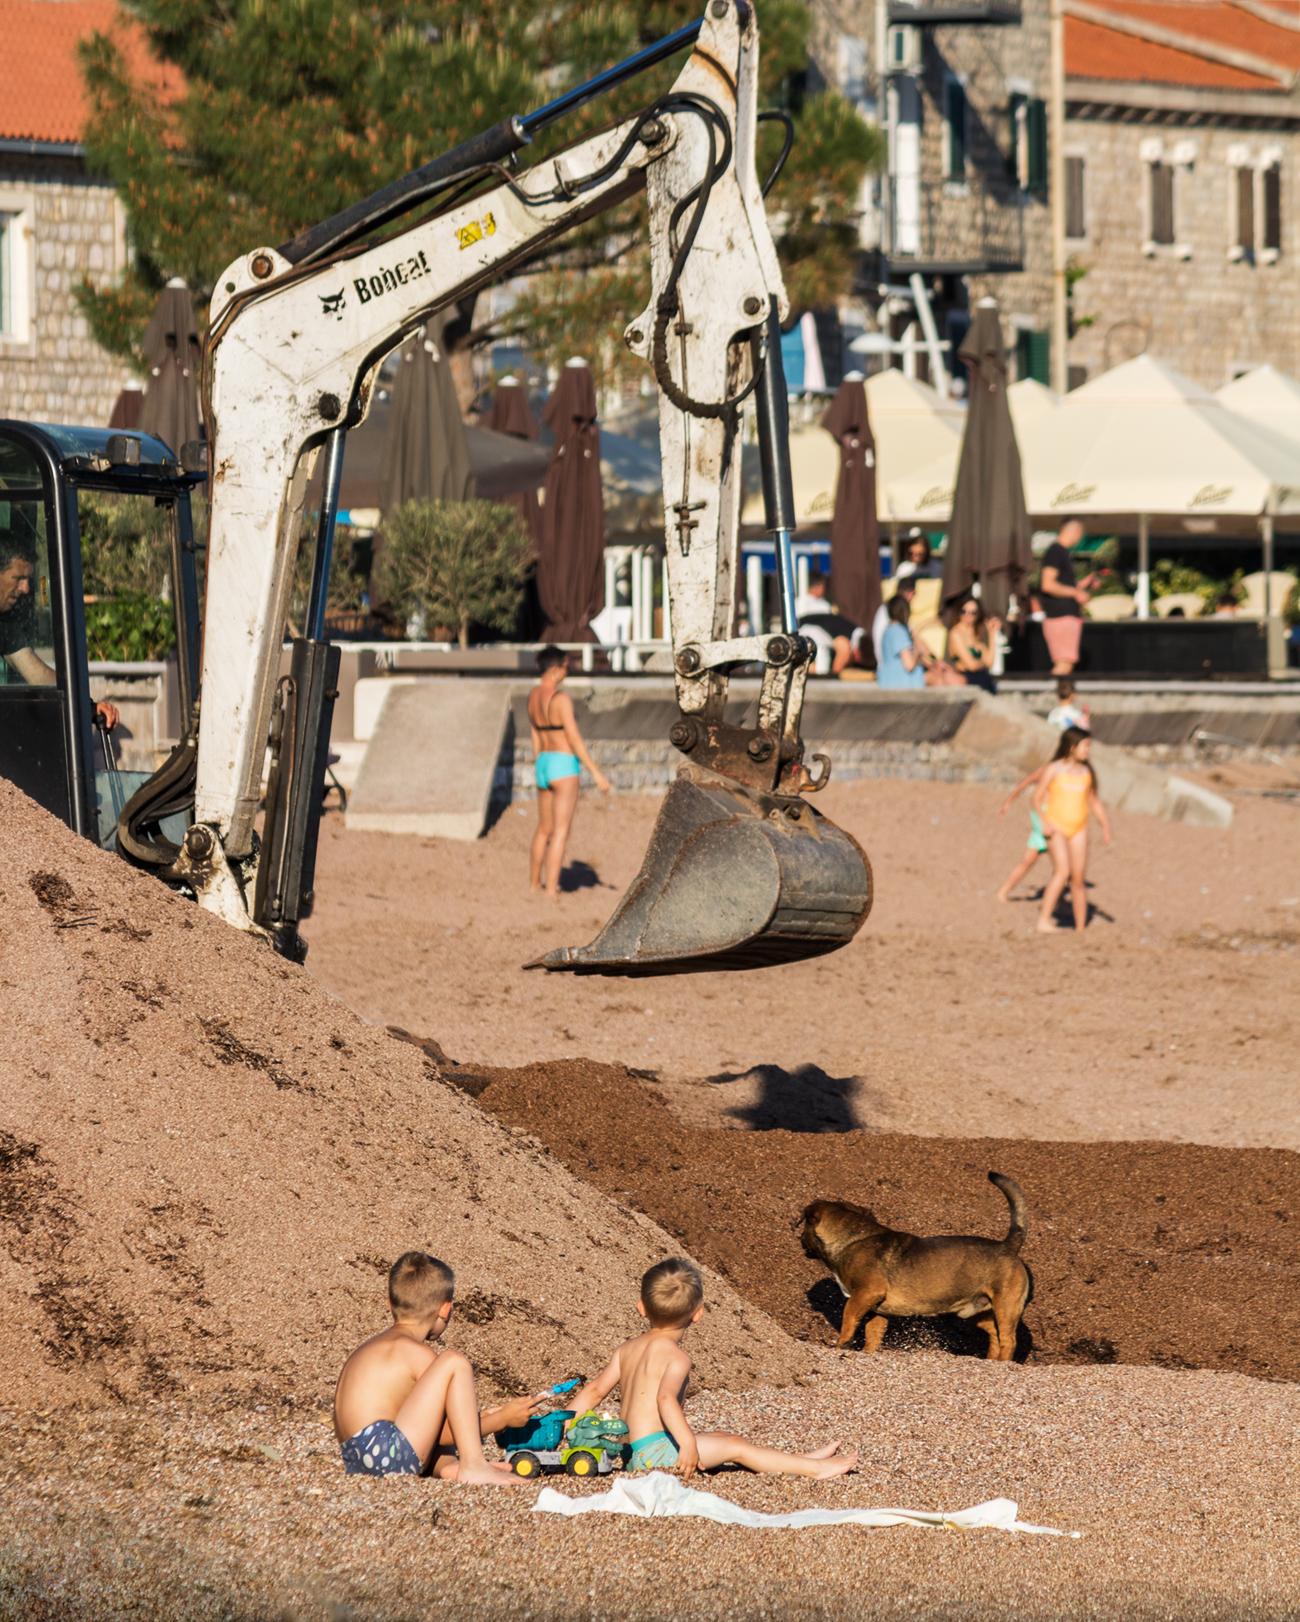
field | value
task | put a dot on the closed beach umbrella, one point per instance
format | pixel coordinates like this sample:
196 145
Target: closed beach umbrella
855 540
571 558
988 538
509 414
171 346
426 457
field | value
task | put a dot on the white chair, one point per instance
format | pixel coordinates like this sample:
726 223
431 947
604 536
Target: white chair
1279 587
1117 605
1191 603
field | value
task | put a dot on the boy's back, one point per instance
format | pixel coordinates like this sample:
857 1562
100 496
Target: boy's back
651 1373
642 1366
377 1379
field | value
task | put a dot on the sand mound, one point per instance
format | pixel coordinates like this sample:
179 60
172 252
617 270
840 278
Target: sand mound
207 1164
1172 1254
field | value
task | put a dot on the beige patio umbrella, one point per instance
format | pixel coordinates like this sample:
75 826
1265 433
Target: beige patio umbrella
1029 399
924 495
1266 396
1143 439
913 425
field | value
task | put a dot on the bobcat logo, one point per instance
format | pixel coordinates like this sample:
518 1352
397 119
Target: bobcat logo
333 303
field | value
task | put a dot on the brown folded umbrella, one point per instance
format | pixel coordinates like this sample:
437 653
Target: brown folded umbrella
989 536
171 346
425 454
855 538
127 407
509 414
571 557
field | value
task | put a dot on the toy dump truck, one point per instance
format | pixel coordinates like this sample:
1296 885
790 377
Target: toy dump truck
589 1448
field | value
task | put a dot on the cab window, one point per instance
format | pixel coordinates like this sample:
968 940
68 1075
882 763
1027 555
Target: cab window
26 614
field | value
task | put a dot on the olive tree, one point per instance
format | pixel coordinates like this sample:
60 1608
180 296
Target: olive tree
455 562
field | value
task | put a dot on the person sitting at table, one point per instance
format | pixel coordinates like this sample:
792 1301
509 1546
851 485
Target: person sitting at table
972 645
905 662
818 620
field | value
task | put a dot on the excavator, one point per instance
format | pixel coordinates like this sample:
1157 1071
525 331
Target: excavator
742 870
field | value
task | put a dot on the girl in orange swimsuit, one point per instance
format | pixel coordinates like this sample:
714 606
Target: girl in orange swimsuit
1066 795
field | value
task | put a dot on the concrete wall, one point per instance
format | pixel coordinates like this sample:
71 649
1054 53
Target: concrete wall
55 372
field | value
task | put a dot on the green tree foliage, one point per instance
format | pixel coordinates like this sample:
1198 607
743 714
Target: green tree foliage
125 545
131 627
293 109
346 591
455 562
125 571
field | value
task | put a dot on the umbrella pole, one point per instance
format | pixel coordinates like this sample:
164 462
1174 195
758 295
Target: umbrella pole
1266 541
1144 567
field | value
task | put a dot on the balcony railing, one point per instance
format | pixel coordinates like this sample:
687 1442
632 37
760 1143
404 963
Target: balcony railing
932 12
968 227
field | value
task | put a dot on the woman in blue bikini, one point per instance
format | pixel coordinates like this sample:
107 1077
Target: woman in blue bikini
561 755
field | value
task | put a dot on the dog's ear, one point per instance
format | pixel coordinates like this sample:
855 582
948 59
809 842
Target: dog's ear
811 1213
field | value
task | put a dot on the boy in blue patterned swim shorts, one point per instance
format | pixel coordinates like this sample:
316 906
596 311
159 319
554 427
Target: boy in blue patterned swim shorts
651 1373
400 1408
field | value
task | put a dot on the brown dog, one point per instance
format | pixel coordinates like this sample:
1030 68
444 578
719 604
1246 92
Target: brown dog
886 1274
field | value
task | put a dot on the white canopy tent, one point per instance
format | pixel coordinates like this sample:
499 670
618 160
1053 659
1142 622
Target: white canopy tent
912 424
1267 396
925 494
1144 439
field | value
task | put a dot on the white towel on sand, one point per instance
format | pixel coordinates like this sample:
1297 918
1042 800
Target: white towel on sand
660 1494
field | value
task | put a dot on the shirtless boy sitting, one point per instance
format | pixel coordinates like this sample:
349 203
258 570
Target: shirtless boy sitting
652 1371
401 1409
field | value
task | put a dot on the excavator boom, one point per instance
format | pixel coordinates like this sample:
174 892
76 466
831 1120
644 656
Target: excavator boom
742 870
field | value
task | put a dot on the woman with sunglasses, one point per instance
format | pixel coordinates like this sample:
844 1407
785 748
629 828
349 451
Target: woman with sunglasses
972 645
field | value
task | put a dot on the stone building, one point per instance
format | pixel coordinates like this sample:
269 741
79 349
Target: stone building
1181 121
58 223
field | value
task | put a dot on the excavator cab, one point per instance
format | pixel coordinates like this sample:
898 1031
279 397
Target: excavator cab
50 744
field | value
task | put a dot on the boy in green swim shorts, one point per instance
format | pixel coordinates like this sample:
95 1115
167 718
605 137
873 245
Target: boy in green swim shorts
652 1371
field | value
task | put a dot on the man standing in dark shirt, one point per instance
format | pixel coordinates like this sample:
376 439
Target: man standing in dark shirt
1063 599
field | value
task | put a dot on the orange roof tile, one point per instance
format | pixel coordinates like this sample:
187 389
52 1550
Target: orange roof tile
1217 24
1094 52
41 94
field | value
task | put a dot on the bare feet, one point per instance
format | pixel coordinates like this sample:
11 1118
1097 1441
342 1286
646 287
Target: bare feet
1003 895
828 1468
485 1474
1048 929
826 1452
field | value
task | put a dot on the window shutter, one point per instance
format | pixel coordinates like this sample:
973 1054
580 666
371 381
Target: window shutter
1033 355
6 234
1074 219
1162 203
1273 209
1246 208
1036 140
1015 117
956 113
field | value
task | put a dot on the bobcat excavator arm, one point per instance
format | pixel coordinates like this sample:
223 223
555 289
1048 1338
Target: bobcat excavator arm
741 869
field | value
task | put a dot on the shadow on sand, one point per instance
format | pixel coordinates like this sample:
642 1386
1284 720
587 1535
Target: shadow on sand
801 1100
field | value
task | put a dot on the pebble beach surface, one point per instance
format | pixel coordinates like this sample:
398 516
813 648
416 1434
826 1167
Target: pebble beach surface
1183 1486
207 1161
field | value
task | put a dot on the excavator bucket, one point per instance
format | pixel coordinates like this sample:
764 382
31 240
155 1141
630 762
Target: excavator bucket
734 879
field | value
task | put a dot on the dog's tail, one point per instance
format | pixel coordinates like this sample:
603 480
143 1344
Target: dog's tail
1019 1229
